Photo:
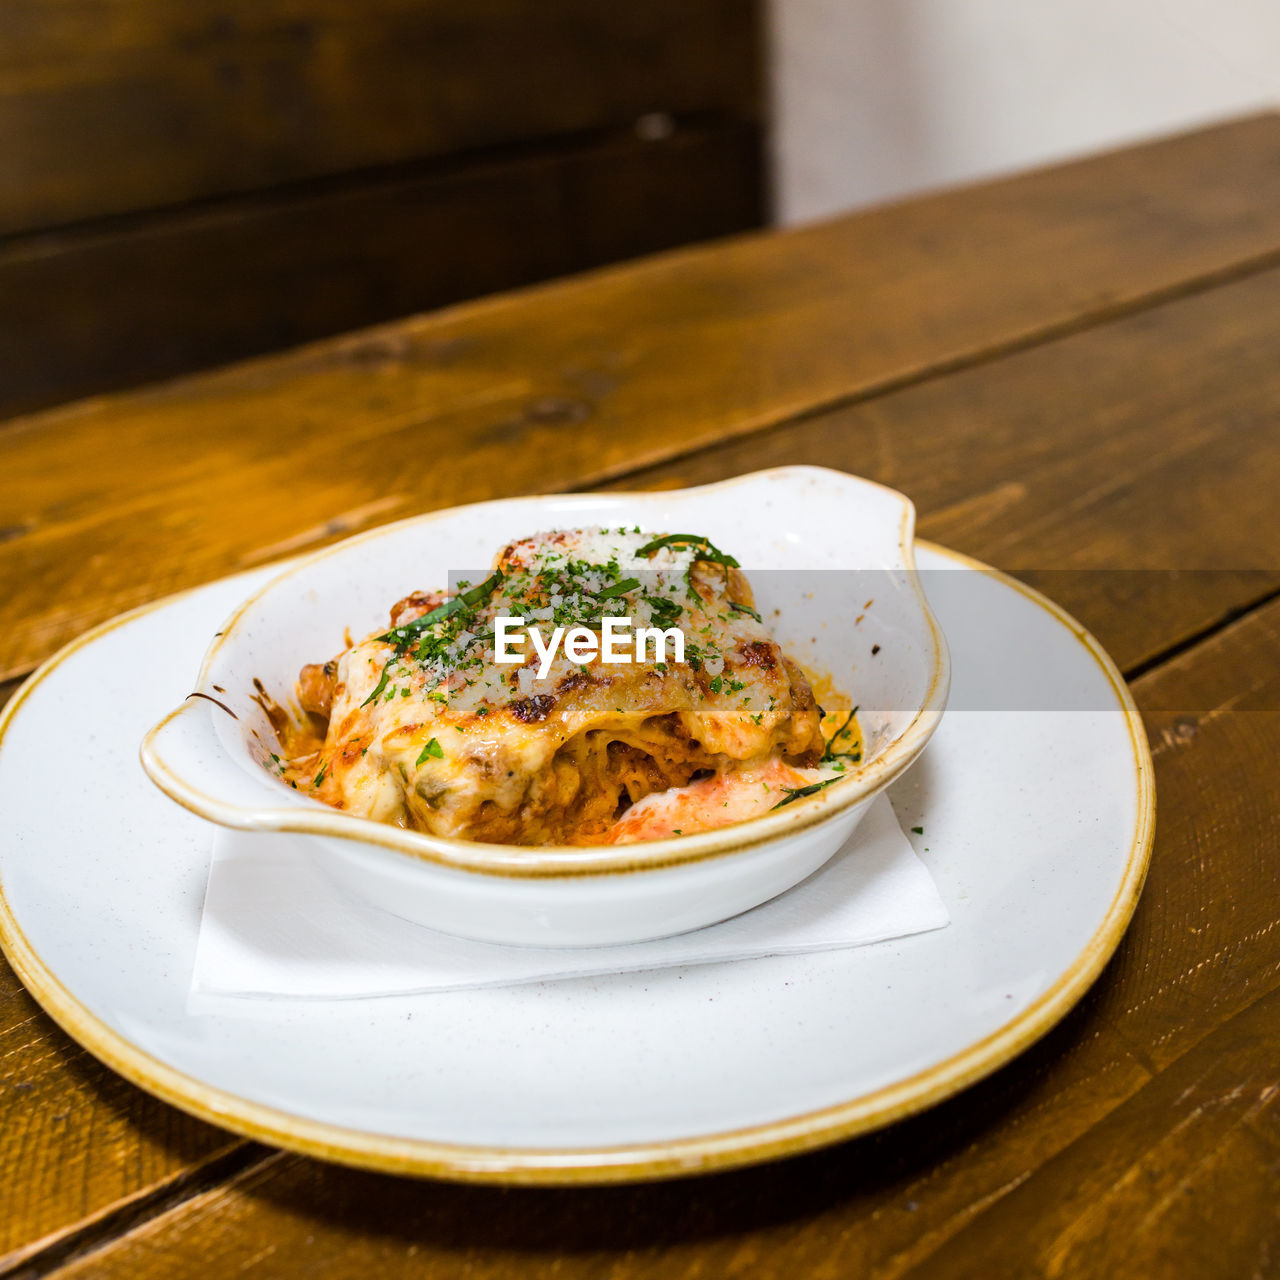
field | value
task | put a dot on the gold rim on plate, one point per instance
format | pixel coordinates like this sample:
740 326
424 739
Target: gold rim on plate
629 1162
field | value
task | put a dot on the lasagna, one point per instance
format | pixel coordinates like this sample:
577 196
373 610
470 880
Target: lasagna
442 722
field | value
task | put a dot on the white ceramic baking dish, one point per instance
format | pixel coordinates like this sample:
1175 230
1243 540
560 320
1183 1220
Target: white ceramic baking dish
832 554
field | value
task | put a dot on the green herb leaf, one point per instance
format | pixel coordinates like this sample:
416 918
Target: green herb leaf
382 682
432 750
830 753
618 589
737 607
799 793
402 636
709 550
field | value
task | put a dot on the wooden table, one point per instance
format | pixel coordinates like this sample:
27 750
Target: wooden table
1071 370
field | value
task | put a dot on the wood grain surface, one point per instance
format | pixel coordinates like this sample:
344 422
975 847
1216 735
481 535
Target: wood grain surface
111 106
1129 471
1072 374
579 381
185 185
153 296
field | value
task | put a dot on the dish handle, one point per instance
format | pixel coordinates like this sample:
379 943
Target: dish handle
184 757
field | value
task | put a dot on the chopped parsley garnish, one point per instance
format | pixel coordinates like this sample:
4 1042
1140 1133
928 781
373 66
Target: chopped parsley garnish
448 649
918 830
738 607
666 613
433 750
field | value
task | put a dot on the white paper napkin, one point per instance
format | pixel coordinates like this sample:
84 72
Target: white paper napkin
275 927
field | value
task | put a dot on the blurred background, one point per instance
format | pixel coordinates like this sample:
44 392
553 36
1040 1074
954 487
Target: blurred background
187 182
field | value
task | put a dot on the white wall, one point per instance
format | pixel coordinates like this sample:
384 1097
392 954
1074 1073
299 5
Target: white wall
874 99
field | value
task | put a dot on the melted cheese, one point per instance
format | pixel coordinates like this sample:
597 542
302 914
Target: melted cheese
426 731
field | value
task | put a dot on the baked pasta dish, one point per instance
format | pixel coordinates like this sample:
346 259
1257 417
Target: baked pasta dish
598 686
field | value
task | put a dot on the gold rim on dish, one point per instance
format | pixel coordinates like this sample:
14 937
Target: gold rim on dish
630 1162
558 861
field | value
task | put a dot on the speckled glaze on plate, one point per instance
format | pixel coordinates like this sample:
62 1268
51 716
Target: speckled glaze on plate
1037 828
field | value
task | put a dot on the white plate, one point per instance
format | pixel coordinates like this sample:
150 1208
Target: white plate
1037 827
